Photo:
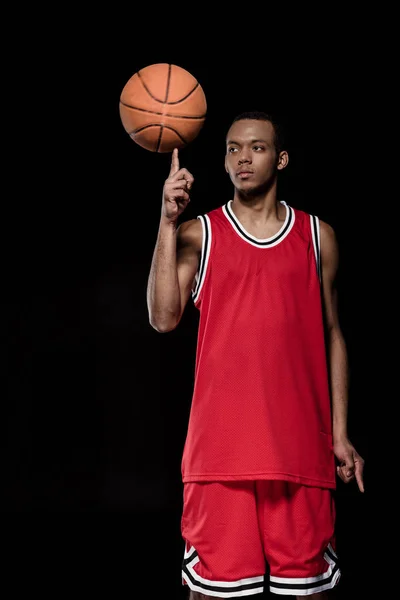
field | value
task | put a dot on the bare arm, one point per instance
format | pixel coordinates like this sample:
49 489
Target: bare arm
173 269
350 462
337 352
176 253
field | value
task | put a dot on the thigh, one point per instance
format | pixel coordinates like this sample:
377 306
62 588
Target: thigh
297 524
223 550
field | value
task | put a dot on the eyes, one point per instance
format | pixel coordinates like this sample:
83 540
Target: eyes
256 148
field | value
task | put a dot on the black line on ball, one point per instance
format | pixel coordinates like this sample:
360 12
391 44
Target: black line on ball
154 112
167 91
162 127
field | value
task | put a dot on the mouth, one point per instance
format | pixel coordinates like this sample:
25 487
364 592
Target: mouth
244 174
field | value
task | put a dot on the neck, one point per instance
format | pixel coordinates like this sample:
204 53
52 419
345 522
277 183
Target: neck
258 208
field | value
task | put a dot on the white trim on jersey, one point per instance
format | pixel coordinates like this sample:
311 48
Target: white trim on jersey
265 243
315 232
303 586
205 255
220 589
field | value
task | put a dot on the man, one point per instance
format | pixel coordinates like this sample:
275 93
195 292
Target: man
268 419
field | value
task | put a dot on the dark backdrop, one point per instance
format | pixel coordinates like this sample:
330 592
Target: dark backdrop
98 400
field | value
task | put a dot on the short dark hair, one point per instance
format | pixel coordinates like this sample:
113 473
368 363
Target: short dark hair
257 115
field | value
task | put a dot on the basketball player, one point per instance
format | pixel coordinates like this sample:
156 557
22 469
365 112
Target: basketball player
267 432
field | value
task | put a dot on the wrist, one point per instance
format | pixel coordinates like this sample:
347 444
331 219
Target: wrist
339 433
168 223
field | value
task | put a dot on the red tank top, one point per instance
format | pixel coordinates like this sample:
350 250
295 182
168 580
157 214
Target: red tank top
261 404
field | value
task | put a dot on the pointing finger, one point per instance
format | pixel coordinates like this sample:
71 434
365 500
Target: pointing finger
359 469
360 482
174 162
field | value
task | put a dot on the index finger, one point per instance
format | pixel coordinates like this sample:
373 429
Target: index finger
174 162
359 476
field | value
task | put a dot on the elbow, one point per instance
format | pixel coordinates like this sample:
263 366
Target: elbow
163 325
162 328
335 335
334 330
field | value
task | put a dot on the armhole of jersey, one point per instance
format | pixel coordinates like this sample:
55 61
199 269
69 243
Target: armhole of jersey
205 254
315 232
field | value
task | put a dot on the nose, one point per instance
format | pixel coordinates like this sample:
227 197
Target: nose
245 157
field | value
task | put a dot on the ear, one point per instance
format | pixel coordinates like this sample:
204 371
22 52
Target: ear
226 168
283 160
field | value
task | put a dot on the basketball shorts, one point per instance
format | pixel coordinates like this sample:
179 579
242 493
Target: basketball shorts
241 535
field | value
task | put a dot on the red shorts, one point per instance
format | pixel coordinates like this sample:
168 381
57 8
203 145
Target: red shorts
234 530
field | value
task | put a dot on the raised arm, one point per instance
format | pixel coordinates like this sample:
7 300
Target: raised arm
350 463
176 253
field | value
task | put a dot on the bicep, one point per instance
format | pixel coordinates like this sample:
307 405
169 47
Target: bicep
329 263
187 263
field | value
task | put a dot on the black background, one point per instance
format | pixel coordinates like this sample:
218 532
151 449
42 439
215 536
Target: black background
98 401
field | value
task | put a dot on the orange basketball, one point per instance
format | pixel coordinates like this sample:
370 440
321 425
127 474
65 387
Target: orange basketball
162 107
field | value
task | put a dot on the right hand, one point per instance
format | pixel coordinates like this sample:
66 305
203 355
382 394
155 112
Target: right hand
176 189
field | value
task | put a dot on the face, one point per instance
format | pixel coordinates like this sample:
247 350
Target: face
251 159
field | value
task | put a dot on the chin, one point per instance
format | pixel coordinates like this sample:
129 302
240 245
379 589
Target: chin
249 190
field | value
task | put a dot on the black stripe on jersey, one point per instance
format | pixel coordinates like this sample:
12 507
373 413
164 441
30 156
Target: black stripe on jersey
222 590
329 552
254 240
325 583
204 252
320 583
315 232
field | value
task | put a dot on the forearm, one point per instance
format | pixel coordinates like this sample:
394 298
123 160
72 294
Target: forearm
163 295
339 380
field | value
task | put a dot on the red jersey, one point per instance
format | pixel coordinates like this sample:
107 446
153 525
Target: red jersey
261 404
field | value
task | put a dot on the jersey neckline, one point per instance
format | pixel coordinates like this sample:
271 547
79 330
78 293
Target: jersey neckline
251 239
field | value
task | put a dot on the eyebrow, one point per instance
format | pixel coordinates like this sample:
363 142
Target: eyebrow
251 142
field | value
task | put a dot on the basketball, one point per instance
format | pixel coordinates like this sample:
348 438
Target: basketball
162 107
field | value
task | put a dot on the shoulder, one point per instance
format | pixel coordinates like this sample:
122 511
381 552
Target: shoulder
329 247
190 233
328 235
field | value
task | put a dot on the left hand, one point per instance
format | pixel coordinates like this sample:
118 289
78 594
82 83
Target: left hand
351 464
